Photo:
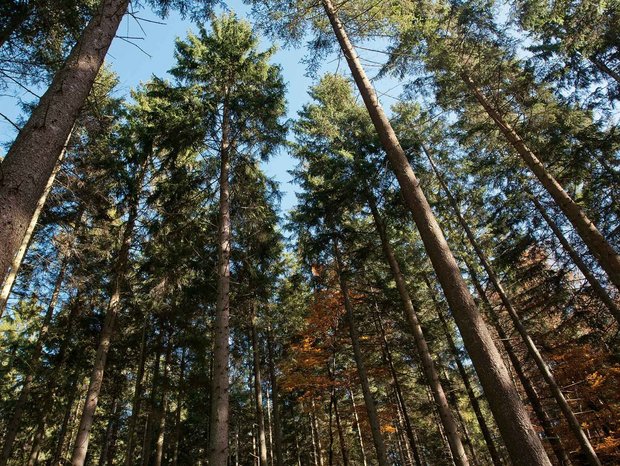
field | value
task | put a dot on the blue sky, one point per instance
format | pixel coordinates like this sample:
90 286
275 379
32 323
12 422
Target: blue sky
156 56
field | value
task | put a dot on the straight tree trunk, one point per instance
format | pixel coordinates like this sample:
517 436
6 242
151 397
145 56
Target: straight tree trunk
277 428
163 407
530 391
341 438
369 401
218 445
103 456
523 444
428 366
150 418
358 428
473 399
177 426
30 161
597 288
317 433
105 339
607 257
531 347
57 457
137 398
258 397
18 410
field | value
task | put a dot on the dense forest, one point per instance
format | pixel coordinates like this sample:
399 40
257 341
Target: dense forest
446 289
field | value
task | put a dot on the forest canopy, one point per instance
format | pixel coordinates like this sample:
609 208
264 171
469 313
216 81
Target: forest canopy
444 289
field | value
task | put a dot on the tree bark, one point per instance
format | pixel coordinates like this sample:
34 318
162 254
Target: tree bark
277 428
597 288
258 397
30 161
103 456
369 401
358 428
607 257
177 426
531 347
163 406
218 445
341 438
105 339
7 286
530 391
524 446
428 366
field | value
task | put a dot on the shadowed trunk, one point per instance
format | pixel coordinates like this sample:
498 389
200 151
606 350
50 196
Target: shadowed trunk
277 429
258 397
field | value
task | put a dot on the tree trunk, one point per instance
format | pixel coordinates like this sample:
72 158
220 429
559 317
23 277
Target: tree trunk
473 399
218 445
369 401
30 161
602 66
137 398
604 253
177 426
148 427
531 347
318 448
103 456
341 438
7 286
542 416
57 457
428 366
18 410
597 288
105 339
277 428
524 446
163 407
258 397
358 428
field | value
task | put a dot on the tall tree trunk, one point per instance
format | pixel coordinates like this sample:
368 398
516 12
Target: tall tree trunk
258 396
177 416
18 410
277 428
530 391
150 418
531 347
600 248
597 288
105 339
369 401
103 455
358 428
137 398
7 286
317 433
218 445
473 399
341 438
30 161
524 447
61 437
428 366
163 407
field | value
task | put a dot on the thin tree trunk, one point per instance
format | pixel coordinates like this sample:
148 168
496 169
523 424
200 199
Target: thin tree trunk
218 445
358 427
600 248
369 401
30 161
37 443
530 391
18 410
177 426
524 447
105 339
277 428
137 398
410 459
428 366
473 399
315 427
258 396
148 428
341 438
57 457
531 347
103 456
598 289
163 408
7 286
602 66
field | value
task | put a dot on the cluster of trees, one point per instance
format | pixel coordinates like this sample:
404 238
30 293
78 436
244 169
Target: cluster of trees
445 291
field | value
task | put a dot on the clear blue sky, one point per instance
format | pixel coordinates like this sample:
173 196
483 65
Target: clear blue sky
134 66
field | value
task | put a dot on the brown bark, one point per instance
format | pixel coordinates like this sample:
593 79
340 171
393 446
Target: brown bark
524 446
277 428
358 428
105 339
61 437
103 455
150 418
531 347
530 391
218 445
31 159
177 415
598 246
341 438
428 365
597 288
258 397
369 401
163 407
